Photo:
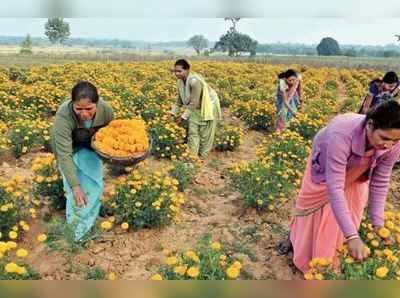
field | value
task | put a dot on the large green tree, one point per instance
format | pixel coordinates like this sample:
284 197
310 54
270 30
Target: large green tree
328 47
198 43
236 43
57 30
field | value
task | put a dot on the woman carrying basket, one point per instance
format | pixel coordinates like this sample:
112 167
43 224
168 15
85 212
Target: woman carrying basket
76 121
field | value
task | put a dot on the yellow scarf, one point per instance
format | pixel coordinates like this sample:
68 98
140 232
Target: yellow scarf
207 106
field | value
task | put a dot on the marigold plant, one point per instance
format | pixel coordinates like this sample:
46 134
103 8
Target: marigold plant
146 200
209 261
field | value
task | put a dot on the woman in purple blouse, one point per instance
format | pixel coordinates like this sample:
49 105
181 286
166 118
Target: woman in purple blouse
349 168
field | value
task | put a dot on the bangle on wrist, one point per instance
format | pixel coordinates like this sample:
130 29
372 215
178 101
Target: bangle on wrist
351 237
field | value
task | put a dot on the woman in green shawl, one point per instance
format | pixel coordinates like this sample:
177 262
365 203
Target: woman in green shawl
76 121
201 109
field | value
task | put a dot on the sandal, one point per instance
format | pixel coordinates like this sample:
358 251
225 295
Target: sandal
285 246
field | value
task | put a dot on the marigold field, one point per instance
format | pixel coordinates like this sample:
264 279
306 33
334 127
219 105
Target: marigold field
173 216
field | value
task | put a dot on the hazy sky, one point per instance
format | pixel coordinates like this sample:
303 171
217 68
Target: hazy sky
306 21
377 31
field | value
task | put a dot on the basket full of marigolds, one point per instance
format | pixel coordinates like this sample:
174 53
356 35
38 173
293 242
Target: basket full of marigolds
122 142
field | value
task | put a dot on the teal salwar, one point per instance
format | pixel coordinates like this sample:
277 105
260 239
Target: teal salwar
89 169
90 174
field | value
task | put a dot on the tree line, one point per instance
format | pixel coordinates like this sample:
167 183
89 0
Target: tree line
233 42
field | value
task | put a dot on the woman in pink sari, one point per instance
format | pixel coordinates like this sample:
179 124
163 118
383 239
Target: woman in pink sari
349 168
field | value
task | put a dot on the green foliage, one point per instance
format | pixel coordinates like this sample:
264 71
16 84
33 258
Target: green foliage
57 30
235 43
198 43
96 273
26 46
328 47
184 172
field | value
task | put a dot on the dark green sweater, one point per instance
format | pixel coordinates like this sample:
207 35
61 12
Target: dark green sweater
61 135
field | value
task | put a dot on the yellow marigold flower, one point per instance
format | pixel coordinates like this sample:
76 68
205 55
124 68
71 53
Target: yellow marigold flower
39 179
13 235
382 272
156 277
190 254
370 236
19 179
319 276
384 232
42 237
21 253
216 246
374 243
20 270
138 204
387 252
233 272
106 225
171 261
324 262
112 276
349 260
378 253
11 244
237 265
3 247
196 259
125 226
11 268
193 272
181 270
390 225
314 262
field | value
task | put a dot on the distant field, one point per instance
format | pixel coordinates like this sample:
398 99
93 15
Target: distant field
336 61
56 55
